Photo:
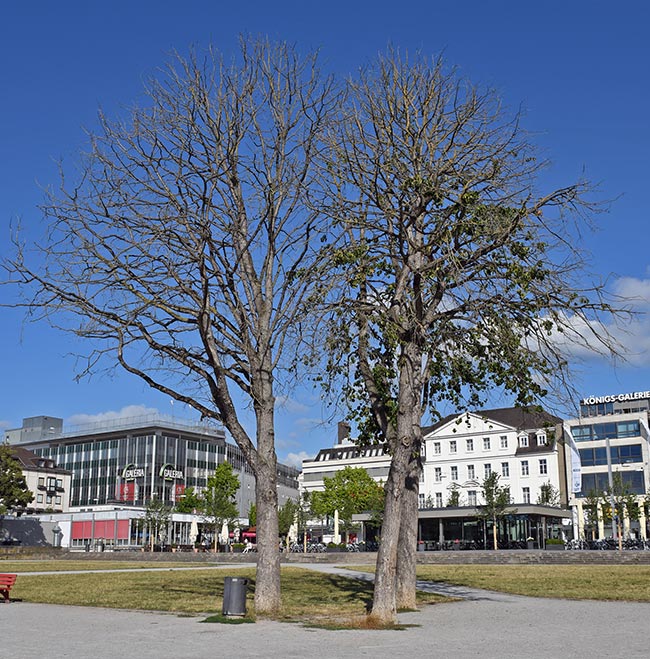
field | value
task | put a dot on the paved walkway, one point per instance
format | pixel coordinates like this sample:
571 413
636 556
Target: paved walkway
484 624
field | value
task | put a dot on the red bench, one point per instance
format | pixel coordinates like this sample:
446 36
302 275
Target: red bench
7 582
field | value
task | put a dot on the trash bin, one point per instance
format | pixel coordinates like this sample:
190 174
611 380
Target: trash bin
234 596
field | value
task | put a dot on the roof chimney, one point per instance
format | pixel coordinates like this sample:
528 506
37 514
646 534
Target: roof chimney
343 431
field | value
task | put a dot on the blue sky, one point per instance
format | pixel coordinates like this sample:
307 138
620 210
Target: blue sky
580 71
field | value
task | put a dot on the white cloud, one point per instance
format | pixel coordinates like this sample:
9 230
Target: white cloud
128 412
635 290
632 335
291 405
295 459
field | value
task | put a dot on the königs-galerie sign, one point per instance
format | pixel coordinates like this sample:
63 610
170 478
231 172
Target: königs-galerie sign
616 398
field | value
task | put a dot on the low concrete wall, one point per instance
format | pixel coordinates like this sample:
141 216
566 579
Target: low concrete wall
501 557
26 531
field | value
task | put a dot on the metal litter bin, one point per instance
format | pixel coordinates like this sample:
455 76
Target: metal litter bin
234 596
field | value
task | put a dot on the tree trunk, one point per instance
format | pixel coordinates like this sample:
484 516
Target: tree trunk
407 544
267 584
384 605
494 534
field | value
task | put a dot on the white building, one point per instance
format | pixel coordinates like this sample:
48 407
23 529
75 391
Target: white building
345 453
462 450
49 484
459 452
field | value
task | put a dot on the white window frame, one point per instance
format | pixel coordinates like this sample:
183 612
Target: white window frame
503 441
525 468
453 446
543 466
523 441
469 443
505 469
486 443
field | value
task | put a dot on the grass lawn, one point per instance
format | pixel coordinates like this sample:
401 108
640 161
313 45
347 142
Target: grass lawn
598 582
308 596
629 583
36 565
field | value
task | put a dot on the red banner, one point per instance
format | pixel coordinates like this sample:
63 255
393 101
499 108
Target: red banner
126 491
100 528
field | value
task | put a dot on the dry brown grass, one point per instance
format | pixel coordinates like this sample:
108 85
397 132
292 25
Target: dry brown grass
309 597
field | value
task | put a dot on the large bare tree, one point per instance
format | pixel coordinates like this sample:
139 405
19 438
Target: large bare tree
185 250
461 272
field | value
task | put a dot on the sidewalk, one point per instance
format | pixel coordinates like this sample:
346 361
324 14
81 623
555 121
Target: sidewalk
483 625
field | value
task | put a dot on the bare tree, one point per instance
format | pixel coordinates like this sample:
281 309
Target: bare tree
185 251
461 275
496 504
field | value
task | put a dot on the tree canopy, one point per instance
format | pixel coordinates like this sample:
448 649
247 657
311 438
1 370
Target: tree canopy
350 491
461 275
156 519
183 250
14 493
218 505
496 503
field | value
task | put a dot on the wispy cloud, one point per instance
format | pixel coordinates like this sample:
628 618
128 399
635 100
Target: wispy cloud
128 412
632 337
291 405
295 459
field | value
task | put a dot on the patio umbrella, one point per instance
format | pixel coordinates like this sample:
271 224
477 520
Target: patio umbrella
194 531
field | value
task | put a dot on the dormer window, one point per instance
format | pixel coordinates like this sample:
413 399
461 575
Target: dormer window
523 441
541 439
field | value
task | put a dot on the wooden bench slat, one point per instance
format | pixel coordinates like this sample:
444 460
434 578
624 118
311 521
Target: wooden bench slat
6 583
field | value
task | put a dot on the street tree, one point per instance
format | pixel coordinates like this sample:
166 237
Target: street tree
496 504
462 276
252 515
287 518
218 506
190 502
183 251
156 520
548 495
349 492
303 515
453 501
14 493
590 507
624 502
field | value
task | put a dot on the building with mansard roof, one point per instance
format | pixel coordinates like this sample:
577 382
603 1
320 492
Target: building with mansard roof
522 445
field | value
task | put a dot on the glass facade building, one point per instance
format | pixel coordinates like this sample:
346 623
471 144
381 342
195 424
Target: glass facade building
128 462
610 438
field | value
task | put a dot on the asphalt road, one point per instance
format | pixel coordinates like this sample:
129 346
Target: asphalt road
483 624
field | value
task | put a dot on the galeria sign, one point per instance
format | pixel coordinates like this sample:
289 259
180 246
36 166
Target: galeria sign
170 473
